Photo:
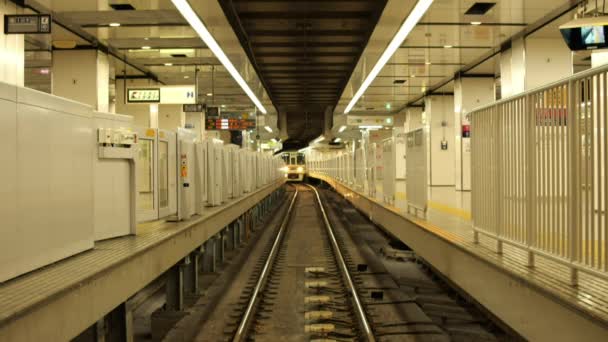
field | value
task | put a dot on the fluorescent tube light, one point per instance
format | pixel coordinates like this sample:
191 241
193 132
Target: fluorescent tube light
268 129
197 24
337 140
342 129
319 139
408 25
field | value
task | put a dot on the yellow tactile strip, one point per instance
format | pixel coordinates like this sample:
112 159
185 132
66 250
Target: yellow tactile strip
590 297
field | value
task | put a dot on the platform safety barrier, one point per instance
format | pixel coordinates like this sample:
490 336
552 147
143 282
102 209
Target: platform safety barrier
539 173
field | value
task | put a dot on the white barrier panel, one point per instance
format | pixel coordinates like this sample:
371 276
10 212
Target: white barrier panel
214 172
187 194
202 183
539 175
115 177
417 172
388 172
47 190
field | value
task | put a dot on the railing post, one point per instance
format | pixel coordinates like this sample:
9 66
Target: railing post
530 197
573 123
498 152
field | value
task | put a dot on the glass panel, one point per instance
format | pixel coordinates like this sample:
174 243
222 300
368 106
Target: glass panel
145 174
293 161
163 174
300 159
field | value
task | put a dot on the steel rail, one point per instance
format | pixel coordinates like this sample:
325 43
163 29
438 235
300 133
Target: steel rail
349 281
241 332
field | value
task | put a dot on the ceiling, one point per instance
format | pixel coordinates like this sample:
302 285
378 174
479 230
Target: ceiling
153 42
442 44
304 53
301 58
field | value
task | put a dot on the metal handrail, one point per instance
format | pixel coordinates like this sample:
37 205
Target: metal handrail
349 281
246 320
563 81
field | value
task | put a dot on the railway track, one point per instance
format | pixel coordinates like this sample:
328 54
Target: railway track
322 272
312 269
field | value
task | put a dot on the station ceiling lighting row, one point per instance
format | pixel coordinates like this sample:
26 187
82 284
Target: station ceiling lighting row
408 25
197 24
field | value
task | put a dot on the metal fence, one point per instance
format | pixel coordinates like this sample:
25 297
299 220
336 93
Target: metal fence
539 172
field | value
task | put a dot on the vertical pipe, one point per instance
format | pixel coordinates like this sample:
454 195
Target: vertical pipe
592 192
604 143
554 226
562 168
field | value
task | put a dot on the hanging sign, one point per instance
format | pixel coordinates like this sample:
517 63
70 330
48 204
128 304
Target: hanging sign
193 108
163 95
146 95
177 95
27 24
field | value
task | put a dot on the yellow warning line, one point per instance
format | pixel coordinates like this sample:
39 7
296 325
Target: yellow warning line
450 210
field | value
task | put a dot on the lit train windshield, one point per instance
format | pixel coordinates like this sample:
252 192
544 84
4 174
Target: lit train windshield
293 158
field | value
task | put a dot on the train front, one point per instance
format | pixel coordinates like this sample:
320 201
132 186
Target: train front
295 166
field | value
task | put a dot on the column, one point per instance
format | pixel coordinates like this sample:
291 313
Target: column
12 48
532 62
470 92
439 110
83 76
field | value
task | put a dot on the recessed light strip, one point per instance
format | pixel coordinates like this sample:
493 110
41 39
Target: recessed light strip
197 24
408 25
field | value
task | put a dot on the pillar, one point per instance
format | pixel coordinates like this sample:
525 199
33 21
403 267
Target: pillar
83 76
470 92
174 287
209 256
12 48
191 273
531 62
221 247
439 111
283 133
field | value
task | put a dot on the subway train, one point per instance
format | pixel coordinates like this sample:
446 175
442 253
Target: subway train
295 166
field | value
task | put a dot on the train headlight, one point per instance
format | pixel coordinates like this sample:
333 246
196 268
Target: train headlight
300 169
284 169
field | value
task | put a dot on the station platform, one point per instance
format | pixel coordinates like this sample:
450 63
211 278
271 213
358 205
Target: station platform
58 302
538 303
